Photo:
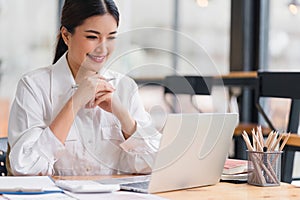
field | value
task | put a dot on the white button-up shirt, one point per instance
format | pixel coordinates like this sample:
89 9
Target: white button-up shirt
95 144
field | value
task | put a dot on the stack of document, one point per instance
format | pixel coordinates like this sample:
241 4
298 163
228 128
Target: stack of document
235 170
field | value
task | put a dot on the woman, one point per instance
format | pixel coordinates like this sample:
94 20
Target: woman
75 117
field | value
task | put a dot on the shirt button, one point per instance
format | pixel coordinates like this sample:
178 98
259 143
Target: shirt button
1 163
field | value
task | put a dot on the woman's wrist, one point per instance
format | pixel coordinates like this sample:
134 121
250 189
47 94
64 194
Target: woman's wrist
75 104
128 124
129 129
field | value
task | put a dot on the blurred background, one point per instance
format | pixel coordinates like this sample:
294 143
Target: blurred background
28 30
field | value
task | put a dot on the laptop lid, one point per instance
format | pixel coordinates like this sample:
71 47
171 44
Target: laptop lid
193 150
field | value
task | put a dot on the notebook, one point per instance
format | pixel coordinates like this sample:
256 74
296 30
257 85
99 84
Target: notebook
192 152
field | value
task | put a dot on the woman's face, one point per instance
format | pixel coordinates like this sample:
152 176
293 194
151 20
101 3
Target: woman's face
91 43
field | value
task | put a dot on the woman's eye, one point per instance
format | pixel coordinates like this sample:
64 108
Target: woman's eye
112 37
91 37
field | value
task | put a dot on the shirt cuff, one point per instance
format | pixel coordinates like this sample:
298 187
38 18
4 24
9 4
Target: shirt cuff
49 146
143 140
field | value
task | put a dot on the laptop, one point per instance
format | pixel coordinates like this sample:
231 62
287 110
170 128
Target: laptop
192 153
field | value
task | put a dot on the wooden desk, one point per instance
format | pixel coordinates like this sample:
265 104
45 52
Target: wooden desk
222 190
239 79
230 191
240 74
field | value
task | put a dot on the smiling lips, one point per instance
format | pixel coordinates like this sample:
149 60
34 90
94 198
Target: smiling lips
98 59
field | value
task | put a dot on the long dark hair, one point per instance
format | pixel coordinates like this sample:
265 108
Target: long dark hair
74 13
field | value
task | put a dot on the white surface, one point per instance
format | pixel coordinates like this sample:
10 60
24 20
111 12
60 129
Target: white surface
52 196
115 196
86 186
296 183
27 183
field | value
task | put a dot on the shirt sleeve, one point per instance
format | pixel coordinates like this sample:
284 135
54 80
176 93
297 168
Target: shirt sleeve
141 147
29 136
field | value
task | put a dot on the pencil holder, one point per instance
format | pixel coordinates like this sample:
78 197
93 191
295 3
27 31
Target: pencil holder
264 168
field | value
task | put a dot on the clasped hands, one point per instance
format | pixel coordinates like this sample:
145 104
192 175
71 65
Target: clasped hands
93 90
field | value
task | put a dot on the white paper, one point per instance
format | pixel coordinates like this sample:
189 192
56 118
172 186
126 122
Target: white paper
296 183
27 183
120 195
50 196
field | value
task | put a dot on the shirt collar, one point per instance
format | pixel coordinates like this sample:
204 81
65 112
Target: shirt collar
62 72
62 81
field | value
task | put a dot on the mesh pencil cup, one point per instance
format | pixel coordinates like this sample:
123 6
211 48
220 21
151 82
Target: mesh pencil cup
264 168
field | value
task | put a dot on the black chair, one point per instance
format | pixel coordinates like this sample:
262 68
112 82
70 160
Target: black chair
189 85
282 85
3 150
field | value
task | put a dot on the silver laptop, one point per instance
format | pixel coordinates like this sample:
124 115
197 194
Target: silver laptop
192 153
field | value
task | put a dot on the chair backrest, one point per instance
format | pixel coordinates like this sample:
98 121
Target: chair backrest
189 85
282 85
192 85
3 150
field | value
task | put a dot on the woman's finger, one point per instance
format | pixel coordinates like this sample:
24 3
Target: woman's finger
103 85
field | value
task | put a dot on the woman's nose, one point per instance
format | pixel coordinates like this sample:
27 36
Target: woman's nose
101 47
